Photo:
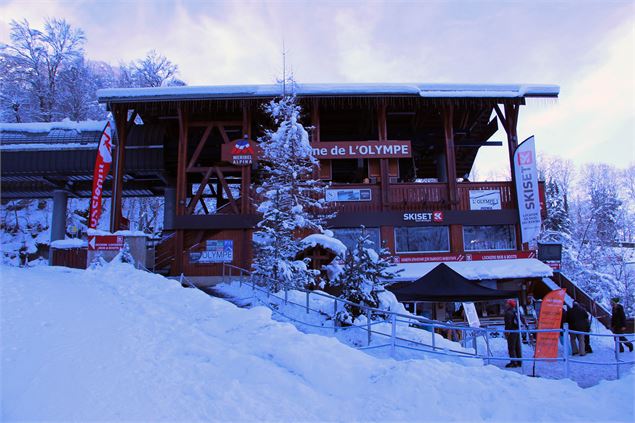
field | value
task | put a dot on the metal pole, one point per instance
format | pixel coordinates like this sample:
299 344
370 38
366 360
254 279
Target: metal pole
565 342
393 335
487 346
617 357
369 314
434 347
307 302
286 293
415 311
334 315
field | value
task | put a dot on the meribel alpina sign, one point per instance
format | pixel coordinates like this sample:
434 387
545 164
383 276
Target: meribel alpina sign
362 150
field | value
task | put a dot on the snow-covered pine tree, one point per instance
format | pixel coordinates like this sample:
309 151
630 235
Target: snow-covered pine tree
292 201
363 273
557 211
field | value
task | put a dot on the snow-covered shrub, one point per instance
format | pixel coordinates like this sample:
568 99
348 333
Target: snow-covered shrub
363 273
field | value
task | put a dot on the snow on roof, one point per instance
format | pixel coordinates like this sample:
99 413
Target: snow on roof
330 243
47 147
62 244
480 270
44 127
351 89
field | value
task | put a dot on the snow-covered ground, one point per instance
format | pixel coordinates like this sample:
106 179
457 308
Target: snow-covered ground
118 344
318 321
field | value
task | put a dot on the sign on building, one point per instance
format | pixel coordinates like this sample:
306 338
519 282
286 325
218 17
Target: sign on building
216 251
105 242
334 195
242 153
526 175
486 199
362 150
424 217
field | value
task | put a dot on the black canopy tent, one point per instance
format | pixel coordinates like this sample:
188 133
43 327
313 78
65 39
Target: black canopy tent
442 284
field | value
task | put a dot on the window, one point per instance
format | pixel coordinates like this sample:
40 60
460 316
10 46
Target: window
419 239
349 236
495 237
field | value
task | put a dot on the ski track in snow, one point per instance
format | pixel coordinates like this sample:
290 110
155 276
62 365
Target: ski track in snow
117 344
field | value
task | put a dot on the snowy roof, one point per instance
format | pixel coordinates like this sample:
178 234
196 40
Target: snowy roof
357 89
328 242
64 135
46 127
480 270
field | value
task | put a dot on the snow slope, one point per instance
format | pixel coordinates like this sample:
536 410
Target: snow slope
118 344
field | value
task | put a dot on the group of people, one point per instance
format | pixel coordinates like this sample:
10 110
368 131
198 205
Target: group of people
578 320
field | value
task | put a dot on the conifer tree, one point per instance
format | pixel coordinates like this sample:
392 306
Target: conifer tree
292 201
363 273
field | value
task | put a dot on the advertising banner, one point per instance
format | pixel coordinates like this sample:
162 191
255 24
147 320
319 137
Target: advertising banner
526 175
337 195
485 199
102 167
510 255
471 315
216 251
550 316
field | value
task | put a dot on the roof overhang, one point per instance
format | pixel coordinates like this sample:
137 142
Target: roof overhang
221 92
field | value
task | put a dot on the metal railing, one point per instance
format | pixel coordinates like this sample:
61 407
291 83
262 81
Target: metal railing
469 336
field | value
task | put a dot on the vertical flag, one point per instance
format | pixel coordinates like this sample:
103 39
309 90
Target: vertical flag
102 167
550 317
526 175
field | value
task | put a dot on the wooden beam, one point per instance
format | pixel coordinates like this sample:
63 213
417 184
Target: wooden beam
199 191
181 175
223 182
121 121
246 124
383 163
245 190
223 134
448 128
198 123
199 147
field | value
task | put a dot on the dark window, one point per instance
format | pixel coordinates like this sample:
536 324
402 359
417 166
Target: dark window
349 236
495 237
349 170
421 239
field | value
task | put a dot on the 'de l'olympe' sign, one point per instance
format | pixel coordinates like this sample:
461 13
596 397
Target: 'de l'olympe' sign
362 150
526 175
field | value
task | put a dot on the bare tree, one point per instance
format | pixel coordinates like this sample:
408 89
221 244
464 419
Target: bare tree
36 59
154 70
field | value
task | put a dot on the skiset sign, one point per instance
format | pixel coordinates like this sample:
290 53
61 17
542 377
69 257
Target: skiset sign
102 167
526 175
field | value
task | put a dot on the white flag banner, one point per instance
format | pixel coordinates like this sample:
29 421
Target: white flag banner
526 175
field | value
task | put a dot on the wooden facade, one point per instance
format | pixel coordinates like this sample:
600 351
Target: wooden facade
216 200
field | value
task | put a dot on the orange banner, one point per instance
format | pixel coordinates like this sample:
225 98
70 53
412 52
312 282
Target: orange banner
550 317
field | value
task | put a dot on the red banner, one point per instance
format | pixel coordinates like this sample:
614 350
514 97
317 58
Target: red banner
550 317
102 167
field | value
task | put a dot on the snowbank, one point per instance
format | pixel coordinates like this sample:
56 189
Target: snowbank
118 344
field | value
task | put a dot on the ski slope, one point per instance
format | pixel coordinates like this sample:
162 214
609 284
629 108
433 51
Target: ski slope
118 344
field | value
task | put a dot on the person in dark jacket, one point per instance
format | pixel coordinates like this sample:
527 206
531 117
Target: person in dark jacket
513 339
578 320
587 338
618 324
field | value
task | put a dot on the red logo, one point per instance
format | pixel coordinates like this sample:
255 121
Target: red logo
525 158
437 216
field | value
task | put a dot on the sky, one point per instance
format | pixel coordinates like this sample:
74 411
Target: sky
585 47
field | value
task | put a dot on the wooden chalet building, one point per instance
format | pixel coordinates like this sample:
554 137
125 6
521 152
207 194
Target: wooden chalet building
396 155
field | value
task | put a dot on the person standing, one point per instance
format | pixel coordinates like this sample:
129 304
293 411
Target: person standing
618 324
578 321
513 339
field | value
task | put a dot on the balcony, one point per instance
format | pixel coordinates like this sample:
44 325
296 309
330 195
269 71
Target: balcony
420 196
